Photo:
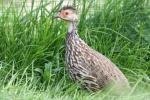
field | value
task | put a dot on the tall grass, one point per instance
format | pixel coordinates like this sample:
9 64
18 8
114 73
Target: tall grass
33 45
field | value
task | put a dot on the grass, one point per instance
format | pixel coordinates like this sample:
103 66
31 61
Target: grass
33 45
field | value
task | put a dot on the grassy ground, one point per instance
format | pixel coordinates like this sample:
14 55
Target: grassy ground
32 50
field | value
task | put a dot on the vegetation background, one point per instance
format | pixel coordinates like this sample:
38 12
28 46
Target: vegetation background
32 47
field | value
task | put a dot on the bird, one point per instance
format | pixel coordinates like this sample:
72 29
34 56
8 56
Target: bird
86 66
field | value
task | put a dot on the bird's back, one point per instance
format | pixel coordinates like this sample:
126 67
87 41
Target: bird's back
89 67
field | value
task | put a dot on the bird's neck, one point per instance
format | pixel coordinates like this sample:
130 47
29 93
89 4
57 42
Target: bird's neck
72 35
72 28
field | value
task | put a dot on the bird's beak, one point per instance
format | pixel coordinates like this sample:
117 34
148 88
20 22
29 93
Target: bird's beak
56 16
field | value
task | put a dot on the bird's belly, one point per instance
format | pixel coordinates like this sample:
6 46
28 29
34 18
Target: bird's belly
84 79
81 76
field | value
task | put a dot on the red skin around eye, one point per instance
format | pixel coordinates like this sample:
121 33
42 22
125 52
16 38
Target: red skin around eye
63 14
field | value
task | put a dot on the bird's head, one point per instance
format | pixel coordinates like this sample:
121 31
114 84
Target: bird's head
67 13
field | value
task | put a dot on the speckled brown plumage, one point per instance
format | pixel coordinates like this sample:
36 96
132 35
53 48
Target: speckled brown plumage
86 66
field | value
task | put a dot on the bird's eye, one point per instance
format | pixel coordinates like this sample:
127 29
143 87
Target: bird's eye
66 13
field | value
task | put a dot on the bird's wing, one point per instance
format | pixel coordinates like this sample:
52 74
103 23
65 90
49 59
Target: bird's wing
100 66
